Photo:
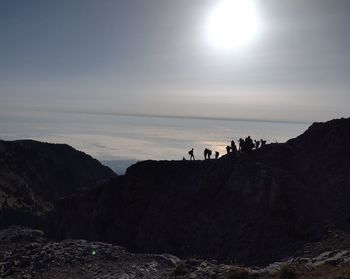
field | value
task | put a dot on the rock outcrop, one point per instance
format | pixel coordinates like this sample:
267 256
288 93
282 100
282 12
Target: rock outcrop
34 174
328 265
27 254
252 208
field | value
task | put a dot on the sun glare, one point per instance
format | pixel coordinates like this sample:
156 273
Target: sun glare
232 24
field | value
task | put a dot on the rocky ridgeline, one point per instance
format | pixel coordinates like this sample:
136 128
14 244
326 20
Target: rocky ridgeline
252 208
25 253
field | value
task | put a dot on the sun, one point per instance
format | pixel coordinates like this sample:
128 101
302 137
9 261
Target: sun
232 24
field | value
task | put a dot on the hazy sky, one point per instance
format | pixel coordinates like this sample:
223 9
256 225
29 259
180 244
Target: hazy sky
153 57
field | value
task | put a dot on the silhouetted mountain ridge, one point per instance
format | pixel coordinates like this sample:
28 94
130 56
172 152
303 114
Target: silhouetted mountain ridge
253 208
34 174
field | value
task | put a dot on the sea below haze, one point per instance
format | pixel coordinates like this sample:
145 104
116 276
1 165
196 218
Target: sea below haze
127 139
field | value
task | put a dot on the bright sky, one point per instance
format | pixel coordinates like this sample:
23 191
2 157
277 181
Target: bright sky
286 60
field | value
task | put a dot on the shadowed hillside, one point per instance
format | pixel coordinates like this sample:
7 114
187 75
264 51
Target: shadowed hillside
34 174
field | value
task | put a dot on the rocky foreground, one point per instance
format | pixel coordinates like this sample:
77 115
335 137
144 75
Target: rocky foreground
26 253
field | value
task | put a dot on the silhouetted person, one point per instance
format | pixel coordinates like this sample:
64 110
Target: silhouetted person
257 144
206 153
217 154
228 149
262 143
233 146
209 153
248 144
191 154
241 144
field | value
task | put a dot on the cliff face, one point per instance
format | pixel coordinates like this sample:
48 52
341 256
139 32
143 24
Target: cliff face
252 208
34 174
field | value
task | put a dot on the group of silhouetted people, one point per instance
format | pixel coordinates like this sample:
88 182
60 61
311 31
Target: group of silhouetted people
245 146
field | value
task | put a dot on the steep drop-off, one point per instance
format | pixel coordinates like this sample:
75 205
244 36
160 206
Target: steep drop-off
251 208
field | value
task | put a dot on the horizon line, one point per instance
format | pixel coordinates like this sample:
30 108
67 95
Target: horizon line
149 115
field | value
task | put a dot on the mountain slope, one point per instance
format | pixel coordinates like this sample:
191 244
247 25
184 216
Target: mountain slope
34 174
252 208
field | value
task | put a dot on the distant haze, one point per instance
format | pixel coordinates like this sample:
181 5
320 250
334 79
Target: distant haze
119 166
133 138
